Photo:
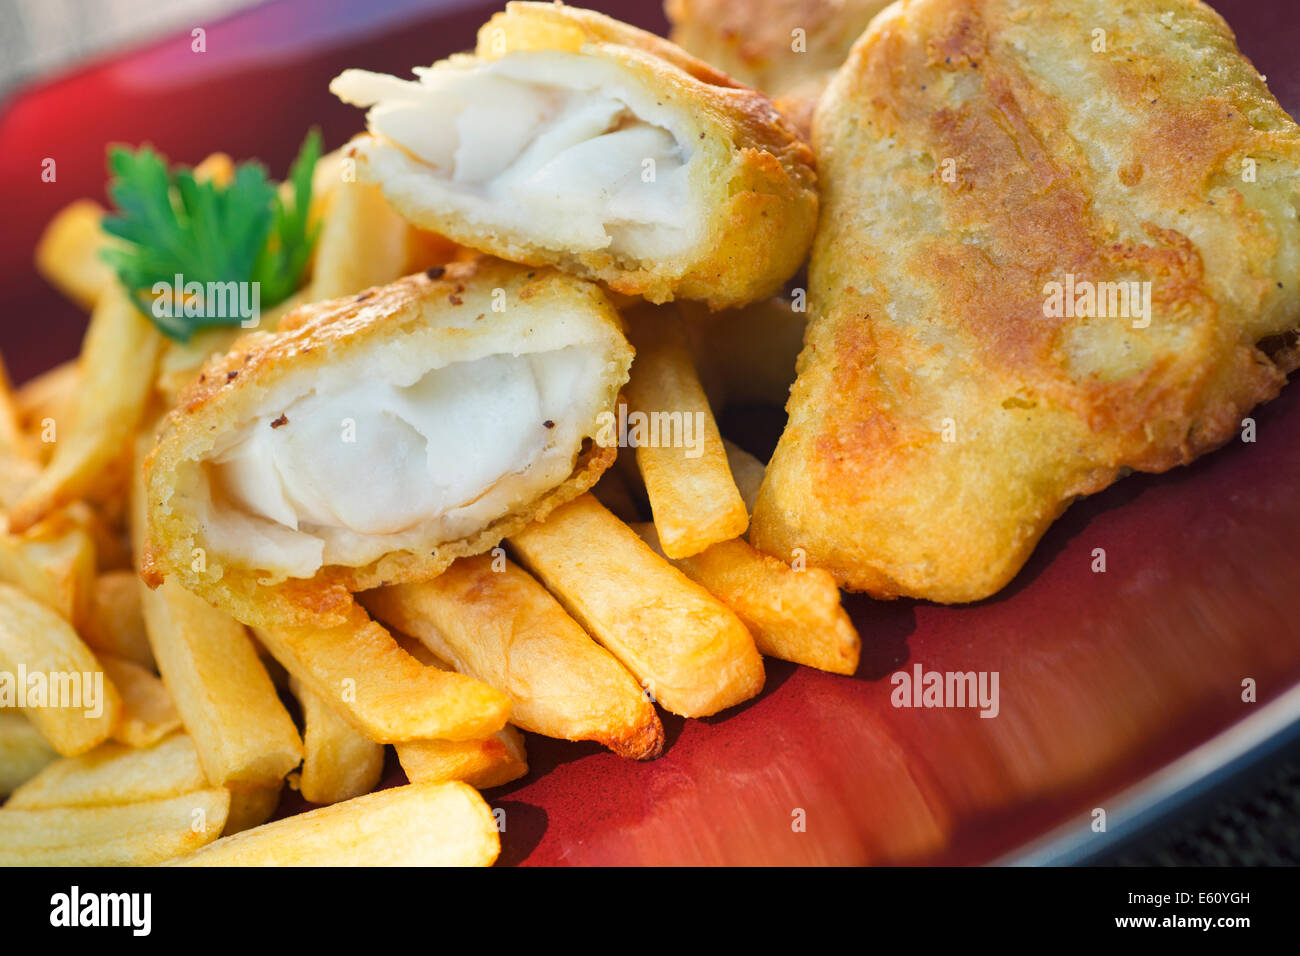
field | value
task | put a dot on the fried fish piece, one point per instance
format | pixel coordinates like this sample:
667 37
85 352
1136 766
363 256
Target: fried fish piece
787 48
570 139
1059 241
373 439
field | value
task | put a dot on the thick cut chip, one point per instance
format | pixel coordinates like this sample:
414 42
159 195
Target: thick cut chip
441 824
491 620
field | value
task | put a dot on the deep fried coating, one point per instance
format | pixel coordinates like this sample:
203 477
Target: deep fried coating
983 162
570 139
374 439
787 48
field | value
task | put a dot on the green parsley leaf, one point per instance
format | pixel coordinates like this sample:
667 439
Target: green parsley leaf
171 224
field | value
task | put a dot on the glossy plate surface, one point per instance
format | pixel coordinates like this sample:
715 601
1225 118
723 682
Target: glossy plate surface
1104 678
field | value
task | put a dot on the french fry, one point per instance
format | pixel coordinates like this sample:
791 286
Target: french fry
115 621
503 628
17 474
101 520
118 356
23 751
685 646
133 834
793 615
216 168
252 808
746 470
67 254
227 702
78 706
420 651
14 446
245 737
482 764
359 670
46 400
54 562
113 774
363 243
338 762
148 713
440 824
692 494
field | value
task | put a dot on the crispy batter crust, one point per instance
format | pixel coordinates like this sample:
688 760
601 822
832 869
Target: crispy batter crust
972 152
761 194
755 41
229 391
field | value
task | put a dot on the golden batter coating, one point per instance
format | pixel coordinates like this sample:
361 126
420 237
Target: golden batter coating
374 439
989 167
773 45
571 139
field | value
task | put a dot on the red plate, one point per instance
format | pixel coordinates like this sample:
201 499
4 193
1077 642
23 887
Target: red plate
1104 677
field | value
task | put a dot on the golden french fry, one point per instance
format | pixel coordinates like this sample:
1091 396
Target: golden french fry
49 395
363 243
52 676
114 774
747 472
115 622
67 254
23 751
227 702
420 651
245 737
132 834
148 713
118 357
793 615
359 670
488 618
338 762
217 168
439 824
686 647
487 762
54 562
43 402
252 808
17 474
102 520
482 764
14 446
679 450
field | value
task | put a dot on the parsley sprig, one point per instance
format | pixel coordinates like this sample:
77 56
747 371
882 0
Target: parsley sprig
171 223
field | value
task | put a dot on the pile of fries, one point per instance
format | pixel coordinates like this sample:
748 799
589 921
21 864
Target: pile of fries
575 628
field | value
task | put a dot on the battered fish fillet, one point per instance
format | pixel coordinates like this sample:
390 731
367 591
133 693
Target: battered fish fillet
789 49
574 140
988 165
372 440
